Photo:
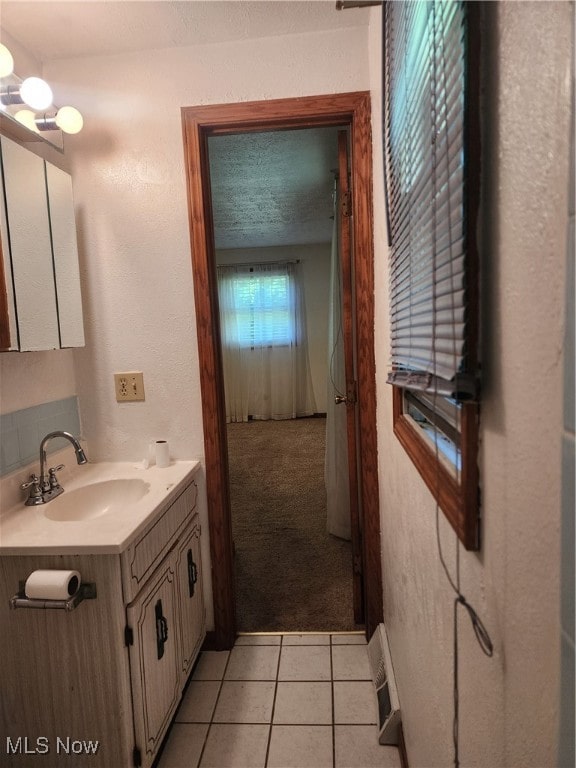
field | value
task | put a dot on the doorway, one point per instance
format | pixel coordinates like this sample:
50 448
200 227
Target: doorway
352 111
274 198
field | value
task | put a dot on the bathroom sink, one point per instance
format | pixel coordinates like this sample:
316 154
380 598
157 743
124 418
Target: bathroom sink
94 500
104 506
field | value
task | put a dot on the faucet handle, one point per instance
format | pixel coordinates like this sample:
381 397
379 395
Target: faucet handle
34 480
52 473
35 495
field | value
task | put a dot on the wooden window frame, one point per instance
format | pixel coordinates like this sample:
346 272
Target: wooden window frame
459 500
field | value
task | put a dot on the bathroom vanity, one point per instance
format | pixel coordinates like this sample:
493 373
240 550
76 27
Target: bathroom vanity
98 685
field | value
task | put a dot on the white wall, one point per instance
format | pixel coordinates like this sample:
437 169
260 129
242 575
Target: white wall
32 378
315 267
509 704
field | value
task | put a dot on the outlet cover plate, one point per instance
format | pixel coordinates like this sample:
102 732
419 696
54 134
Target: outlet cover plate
129 386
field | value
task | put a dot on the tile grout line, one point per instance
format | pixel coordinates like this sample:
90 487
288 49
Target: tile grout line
333 704
221 681
267 756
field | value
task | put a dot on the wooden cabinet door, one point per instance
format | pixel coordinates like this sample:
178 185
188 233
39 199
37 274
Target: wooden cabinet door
40 298
30 248
154 667
190 598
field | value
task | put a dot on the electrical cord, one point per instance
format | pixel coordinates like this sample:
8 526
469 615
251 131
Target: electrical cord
480 630
482 635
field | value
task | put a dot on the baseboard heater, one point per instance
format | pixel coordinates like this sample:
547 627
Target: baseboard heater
389 718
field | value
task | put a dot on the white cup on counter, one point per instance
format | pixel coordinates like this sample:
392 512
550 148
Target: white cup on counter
162 453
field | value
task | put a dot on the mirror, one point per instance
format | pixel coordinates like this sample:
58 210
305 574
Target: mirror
40 258
30 250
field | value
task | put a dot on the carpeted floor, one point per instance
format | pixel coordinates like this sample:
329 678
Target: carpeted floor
291 575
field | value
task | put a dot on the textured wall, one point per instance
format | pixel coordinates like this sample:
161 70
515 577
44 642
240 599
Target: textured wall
31 378
508 705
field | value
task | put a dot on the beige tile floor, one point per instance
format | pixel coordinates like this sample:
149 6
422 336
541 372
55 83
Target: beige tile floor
280 701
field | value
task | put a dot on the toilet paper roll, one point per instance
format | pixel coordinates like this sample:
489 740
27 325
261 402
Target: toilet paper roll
162 453
52 585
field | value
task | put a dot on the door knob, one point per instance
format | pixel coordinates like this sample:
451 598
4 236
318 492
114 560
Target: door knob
339 399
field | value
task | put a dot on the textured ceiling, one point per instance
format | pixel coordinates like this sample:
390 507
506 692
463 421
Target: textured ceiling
273 188
60 30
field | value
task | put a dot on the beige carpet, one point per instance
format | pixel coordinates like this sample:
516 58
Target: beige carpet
291 575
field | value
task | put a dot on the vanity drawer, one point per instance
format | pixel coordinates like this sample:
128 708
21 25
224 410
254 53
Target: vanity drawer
141 558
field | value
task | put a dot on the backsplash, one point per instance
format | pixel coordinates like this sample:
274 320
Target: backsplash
21 431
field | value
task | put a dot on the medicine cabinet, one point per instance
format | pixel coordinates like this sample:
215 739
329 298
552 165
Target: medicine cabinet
40 301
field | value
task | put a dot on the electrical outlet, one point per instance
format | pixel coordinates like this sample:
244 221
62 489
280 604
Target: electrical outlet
129 386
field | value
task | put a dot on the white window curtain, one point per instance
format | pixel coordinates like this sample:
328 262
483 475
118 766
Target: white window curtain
264 342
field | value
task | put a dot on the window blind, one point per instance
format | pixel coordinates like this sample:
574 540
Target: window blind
425 159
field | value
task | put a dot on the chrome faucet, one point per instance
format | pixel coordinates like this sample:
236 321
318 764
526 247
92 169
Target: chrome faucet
46 487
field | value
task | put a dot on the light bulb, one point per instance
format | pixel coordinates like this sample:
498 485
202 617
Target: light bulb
36 93
27 118
69 120
6 61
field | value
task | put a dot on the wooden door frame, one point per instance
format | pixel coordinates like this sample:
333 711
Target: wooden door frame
198 123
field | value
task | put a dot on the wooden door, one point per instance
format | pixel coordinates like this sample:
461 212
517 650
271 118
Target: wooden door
351 399
154 668
190 599
30 248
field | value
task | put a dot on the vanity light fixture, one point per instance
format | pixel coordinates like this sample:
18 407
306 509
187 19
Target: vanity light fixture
36 94
67 119
33 91
27 118
6 61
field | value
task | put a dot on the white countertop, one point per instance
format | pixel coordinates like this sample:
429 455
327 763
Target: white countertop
27 531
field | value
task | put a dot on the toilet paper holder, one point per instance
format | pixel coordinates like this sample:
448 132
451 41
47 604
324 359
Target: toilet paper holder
86 591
